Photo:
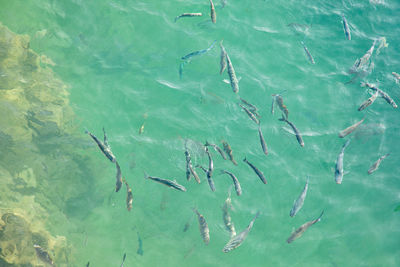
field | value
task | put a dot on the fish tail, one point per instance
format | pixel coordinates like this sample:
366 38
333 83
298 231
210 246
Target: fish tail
86 131
320 216
146 176
245 160
283 118
207 143
212 45
346 144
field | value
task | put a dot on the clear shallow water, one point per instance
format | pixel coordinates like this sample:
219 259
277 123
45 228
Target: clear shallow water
120 60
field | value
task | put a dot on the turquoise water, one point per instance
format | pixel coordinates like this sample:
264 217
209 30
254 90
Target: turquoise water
120 61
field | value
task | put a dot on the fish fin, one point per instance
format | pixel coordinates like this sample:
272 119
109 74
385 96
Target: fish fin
86 131
320 216
146 176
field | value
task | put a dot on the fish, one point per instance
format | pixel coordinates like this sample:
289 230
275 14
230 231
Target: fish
216 148
105 149
43 255
227 217
299 232
346 28
339 164
238 239
123 260
222 61
362 73
299 201
235 181
188 15
397 76
350 129
213 13
279 101
129 196
188 173
210 170
262 141
382 44
169 183
272 105
200 52
368 102
140 245
232 75
376 164
203 226
252 108
383 94
141 129
250 114
228 150
118 182
310 57
360 63
296 131
257 171
181 68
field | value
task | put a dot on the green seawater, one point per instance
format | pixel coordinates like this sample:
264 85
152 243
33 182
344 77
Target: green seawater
120 62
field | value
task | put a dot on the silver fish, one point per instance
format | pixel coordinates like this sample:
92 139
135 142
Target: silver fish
186 15
310 57
383 94
105 149
350 129
232 75
262 141
200 52
339 164
195 175
296 131
361 62
43 255
227 217
213 13
229 151
216 148
376 164
299 232
299 201
250 114
210 170
118 177
346 28
235 182
279 101
203 226
368 102
257 171
123 260
188 173
223 58
238 239
129 196
397 76
169 183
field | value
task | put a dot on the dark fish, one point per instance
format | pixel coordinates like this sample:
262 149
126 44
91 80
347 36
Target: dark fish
350 129
227 217
140 245
232 75
250 114
339 164
299 232
346 28
228 150
383 94
368 102
296 131
299 201
238 239
200 52
216 148
118 182
257 171
123 260
203 226
43 255
129 196
213 13
262 141
105 149
252 108
222 59
210 170
310 57
376 164
169 183
235 182
186 15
